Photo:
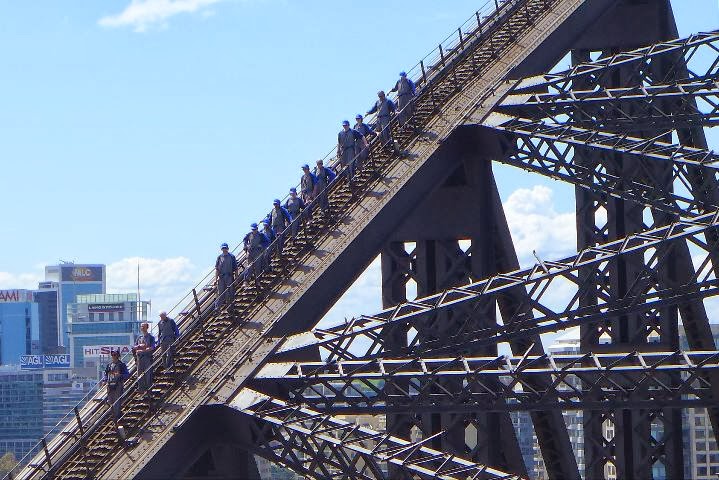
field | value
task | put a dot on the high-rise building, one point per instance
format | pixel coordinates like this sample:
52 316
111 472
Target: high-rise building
701 455
46 299
568 343
523 429
71 280
98 323
21 424
19 326
61 392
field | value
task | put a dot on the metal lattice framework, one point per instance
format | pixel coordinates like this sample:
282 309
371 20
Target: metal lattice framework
624 127
635 380
327 446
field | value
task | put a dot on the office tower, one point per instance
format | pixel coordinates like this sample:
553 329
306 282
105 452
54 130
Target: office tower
73 279
19 326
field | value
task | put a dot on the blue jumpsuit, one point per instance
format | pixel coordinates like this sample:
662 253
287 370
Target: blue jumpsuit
384 109
255 243
167 334
144 346
294 206
116 373
405 93
324 176
366 132
349 144
225 267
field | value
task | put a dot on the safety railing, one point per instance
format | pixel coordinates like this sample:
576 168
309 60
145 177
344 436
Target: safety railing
200 301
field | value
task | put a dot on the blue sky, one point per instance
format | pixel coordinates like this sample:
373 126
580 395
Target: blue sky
156 130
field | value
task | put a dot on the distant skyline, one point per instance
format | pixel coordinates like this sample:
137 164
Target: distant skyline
150 131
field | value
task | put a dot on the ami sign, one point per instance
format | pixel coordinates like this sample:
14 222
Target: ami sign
7 296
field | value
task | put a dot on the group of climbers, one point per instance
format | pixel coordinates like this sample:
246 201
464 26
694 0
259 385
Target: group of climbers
116 372
352 150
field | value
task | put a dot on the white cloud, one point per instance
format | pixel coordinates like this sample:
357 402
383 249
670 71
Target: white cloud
363 297
10 281
536 225
144 14
163 281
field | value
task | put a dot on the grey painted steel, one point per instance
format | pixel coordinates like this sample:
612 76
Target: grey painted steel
591 381
323 446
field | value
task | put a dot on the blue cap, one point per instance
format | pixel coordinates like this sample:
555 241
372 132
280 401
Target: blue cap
253 226
346 122
305 166
402 74
358 117
266 222
293 189
275 201
224 245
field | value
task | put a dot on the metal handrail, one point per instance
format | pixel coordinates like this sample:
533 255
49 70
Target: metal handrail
423 73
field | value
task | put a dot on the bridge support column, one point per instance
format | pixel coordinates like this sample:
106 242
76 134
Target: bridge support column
448 241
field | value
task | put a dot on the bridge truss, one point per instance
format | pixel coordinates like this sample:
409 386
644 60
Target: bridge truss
624 125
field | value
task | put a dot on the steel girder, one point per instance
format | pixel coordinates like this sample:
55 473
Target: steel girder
364 336
435 264
646 148
633 450
502 383
641 107
679 55
552 150
324 446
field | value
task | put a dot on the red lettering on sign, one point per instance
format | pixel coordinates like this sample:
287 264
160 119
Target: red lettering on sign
9 295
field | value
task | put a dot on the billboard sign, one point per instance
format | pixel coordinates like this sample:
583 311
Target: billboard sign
8 296
57 360
36 362
106 307
78 273
97 351
30 362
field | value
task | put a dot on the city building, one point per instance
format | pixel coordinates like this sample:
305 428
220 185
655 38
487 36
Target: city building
701 456
99 323
46 300
568 343
524 430
62 391
19 326
21 412
71 280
